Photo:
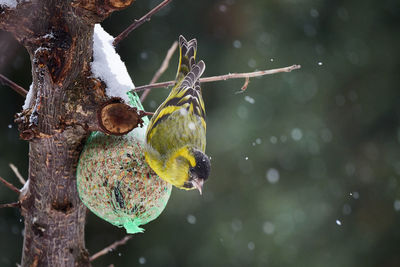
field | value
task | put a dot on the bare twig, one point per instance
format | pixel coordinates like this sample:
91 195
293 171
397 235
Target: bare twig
161 70
11 205
17 173
111 247
246 83
139 22
9 185
147 113
222 77
5 81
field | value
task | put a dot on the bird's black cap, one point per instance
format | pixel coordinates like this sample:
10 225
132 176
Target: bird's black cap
203 165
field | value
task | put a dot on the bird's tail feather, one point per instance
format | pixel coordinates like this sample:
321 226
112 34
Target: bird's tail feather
191 80
187 56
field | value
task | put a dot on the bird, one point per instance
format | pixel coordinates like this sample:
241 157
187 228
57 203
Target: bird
176 134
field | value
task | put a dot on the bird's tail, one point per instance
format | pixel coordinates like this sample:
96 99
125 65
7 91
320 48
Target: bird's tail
187 55
191 80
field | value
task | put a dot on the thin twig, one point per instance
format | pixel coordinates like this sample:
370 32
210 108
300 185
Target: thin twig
5 81
246 83
139 22
147 113
10 205
161 70
111 247
9 185
17 173
222 77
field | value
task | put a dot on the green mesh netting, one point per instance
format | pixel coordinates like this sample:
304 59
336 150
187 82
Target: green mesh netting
115 182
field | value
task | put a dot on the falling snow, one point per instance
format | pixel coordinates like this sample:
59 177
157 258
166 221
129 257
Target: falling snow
314 13
296 134
191 126
396 205
144 55
268 228
249 99
242 112
252 63
222 8
142 260
237 44
251 245
236 225
272 176
183 111
355 195
191 219
338 222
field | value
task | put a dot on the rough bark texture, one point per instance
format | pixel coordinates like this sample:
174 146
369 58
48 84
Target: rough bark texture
58 36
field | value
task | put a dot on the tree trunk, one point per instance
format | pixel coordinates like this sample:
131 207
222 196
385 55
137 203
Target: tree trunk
58 35
54 214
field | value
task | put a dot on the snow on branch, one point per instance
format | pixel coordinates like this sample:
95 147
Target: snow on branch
108 66
9 3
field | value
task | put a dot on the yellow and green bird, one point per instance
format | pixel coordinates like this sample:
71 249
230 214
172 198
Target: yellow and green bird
176 135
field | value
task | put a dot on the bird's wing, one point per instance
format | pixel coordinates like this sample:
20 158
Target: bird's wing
185 99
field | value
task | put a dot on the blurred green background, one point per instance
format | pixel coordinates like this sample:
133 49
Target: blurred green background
305 165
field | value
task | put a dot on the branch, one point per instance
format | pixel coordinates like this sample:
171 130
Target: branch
5 81
161 70
222 77
246 83
95 11
11 205
139 22
9 185
111 247
17 173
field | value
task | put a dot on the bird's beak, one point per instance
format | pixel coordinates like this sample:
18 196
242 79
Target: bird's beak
198 183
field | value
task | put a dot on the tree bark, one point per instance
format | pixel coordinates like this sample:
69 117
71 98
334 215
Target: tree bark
58 35
54 214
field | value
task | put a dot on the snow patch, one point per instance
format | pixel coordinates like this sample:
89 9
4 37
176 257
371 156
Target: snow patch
9 3
25 188
140 133
28 98
108 66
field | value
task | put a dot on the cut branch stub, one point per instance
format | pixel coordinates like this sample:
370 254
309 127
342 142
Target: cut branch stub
117 118
97 10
